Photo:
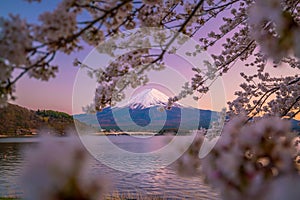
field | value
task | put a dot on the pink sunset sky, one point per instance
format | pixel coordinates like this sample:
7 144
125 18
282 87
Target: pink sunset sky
58 92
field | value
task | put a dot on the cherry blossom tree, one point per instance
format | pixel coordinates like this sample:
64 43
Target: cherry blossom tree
252 31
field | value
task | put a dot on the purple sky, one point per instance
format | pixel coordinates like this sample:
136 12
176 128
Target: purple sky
57 93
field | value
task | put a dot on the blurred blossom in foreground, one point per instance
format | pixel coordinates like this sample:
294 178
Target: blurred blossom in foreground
285 187
275 26
59 169
189 163
253 160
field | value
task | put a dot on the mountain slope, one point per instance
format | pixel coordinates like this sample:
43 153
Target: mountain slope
17 120
146 111
154 118
14 119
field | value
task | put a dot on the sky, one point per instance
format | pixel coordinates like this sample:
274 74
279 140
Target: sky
55 94
58 93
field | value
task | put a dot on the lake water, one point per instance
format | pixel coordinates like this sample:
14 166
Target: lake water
160 181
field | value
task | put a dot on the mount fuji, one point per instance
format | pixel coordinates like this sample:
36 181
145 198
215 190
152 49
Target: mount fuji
146 111
148 98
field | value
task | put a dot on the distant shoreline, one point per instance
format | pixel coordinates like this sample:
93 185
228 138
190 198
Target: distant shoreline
18 136
124 133
149 134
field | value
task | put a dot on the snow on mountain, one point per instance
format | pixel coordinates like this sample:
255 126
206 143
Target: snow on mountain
148 98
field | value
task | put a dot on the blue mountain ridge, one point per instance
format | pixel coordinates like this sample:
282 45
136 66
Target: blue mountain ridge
154 118
146 111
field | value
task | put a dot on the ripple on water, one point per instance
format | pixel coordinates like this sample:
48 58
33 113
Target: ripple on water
163 182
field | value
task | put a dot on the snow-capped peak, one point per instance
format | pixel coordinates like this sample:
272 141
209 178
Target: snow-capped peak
148 98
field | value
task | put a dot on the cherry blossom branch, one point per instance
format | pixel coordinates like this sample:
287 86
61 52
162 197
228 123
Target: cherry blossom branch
222 6
31 67
291 106
267 94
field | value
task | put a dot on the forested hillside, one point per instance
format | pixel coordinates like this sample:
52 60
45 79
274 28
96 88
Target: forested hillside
16 120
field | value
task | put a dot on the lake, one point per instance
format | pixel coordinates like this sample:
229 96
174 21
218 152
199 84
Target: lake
162 181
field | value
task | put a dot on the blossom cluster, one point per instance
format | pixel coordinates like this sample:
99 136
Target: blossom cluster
189 163
15 42
257 160
265 95
249 161
57 28
275 26
60 169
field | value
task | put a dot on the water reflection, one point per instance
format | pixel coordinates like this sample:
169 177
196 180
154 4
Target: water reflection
162 181
141 144
10 168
